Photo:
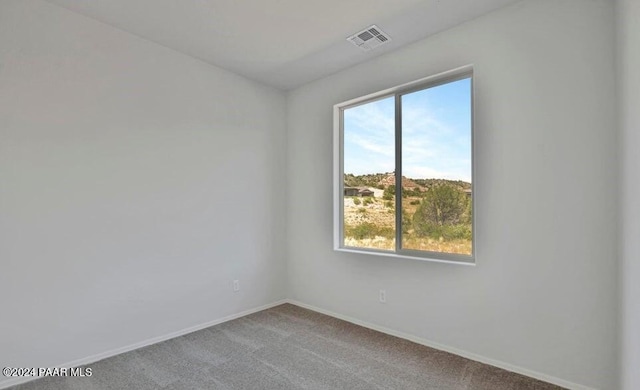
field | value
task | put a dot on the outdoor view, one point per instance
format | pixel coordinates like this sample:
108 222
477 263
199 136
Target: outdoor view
436 210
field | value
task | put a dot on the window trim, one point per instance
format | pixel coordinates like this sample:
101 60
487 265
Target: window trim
338 164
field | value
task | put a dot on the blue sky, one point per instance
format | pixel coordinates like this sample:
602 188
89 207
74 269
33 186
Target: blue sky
436 134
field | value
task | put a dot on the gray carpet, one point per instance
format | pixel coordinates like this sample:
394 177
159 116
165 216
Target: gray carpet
288 347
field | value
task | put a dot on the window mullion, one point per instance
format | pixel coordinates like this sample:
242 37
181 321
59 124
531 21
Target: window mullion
398 171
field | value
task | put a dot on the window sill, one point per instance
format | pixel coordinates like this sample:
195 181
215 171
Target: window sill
446 258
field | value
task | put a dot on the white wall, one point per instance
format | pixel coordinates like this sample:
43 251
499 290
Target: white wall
628 22
543 296
135 184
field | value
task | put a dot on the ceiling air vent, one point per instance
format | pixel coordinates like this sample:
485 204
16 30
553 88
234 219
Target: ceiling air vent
369 38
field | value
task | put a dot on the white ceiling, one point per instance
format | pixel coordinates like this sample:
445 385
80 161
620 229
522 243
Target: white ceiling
283 43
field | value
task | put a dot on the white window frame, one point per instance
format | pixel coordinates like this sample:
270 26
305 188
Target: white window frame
338 170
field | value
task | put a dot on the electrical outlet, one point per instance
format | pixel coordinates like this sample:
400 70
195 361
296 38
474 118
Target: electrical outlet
236 285
383 296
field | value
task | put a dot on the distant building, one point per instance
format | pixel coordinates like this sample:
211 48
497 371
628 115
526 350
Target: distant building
350 191
365 192
357 191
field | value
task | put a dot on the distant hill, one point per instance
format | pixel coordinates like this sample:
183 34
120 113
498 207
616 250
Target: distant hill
390 180
373 180
384 180
428 183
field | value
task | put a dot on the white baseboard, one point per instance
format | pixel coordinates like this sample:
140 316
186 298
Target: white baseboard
446 348
151 341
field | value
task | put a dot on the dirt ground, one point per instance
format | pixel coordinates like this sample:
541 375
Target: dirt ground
380 214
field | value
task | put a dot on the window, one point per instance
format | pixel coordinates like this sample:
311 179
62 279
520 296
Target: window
404 170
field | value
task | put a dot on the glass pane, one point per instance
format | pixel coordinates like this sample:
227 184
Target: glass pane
436 169
369 162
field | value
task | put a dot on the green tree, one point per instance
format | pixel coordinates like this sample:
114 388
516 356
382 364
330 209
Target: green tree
444 205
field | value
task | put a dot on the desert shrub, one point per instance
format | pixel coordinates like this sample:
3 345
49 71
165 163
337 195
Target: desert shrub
368 230
362 210
367 201
356 201
415 202
417 192
447 232
390 190
406 222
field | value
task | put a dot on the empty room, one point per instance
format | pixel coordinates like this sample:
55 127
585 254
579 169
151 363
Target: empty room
287 194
